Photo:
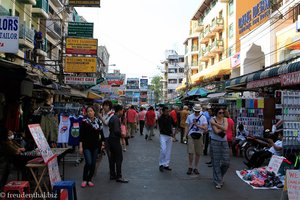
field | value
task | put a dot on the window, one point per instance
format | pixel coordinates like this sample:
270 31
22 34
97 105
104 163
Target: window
220 56
212 61
172 71
213 3
170 91
220 35
230 31
172 81
181 70
230 51
180 80
231 7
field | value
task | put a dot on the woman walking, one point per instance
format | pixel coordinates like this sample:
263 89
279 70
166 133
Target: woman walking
219 147
90 133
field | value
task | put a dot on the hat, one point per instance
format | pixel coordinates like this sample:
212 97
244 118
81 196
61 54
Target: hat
197 108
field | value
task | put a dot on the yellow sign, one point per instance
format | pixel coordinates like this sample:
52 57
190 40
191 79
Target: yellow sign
80 64
81 46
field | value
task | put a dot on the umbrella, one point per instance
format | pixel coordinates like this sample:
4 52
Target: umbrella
197 92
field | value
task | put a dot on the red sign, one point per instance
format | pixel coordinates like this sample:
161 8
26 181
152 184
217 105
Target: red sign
263 82
115 82
290 79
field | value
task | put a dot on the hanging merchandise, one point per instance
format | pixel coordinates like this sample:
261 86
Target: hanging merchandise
250 114
74 130
63 129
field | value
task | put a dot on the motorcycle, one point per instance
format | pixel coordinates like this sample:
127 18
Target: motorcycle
254 144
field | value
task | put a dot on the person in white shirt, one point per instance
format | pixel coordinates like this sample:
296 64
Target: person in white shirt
196 125
240 138
259 157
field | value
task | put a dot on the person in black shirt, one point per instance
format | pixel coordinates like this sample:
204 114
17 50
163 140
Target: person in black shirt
165 123
115 147
90 132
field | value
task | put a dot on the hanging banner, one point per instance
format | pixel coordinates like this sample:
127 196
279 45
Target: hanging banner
9 34
77 80
290 79
81 46
84 3
53 171
41 142
80 64
132 83
80 29
105 88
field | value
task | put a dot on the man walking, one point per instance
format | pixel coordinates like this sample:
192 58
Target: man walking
165 123
131 117
183 116
115 147
196 125
150 123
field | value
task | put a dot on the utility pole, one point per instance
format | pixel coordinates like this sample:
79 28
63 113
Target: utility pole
61 64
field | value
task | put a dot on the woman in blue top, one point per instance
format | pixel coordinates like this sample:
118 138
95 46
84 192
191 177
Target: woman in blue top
219 147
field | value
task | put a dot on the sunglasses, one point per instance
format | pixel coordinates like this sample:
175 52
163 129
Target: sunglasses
220 113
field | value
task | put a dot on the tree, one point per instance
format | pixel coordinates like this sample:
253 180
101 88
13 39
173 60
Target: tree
156 87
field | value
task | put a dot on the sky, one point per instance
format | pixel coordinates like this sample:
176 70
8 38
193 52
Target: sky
136 33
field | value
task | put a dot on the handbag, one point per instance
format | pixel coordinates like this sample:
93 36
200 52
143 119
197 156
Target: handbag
195 136
221 134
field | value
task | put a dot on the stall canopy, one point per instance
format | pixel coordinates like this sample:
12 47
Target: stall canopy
92 95
197 92
293 43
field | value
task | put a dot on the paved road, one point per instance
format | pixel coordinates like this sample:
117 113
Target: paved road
140 166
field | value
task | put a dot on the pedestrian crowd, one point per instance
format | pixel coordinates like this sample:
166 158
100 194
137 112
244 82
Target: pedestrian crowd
204 129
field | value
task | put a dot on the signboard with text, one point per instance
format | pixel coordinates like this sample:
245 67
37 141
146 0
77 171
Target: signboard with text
80 29
144 84
275 163
293 184
9 34
252 14
80 64
132 83
290 79
53 171
115 78
84 3
78 80
81 46
41 141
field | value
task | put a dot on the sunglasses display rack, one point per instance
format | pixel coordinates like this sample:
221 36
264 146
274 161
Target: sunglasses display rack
250 114
288 110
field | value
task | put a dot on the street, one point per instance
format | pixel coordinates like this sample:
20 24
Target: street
140 166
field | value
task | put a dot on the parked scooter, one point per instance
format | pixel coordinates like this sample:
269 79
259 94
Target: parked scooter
254 144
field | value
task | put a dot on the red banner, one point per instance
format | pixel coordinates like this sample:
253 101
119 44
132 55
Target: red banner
290 79
263 82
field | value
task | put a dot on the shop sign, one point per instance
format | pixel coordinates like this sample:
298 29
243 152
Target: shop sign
132 83
254 17
144 84
275 163
77 80
9 34
81 46
80 29
290 79
293 184
84 3
105 88
263 83
80 64
235 60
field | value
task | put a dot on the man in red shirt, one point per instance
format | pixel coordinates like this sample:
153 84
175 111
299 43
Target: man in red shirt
173 114
150 120
131 117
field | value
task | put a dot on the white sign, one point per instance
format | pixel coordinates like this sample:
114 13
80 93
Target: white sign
77 80
9 34
53 171
293 184
41 142
275 163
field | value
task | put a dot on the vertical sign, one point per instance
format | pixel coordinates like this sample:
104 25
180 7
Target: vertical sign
41 142
9 34
293 184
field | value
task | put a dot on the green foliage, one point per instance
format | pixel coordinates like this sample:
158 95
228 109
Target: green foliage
156 87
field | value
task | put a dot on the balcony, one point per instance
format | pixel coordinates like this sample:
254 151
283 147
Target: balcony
208 33
32 2
41 9
194 48
203 58
208 52
199 26
58 3
42 50
217 46
54 29
26 37
217 24
203 40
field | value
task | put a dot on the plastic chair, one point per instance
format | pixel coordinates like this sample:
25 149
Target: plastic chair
16 186
70 186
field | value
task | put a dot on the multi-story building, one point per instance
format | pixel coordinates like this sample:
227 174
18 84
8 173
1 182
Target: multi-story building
137 91
173 74
210 43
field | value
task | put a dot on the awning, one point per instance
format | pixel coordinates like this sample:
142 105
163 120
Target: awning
92 95
197 92
182 86
293 43
289 68
77 93
196 78
216 95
